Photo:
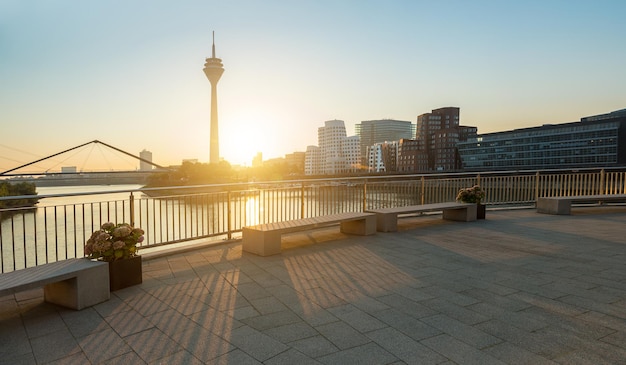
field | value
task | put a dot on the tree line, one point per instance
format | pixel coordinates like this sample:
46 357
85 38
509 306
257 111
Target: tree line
17 189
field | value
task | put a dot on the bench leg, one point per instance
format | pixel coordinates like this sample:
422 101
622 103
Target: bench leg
261 243
386 222
554 206
465 214
363 226
90 287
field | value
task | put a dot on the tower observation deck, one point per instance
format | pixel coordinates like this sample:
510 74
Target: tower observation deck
213 69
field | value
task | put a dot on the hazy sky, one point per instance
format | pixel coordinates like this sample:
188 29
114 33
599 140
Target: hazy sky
129 72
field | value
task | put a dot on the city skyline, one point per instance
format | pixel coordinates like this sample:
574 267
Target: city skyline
130 75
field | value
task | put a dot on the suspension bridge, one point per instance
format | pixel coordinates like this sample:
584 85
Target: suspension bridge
75 166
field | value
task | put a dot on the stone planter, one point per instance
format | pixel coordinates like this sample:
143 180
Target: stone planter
125 273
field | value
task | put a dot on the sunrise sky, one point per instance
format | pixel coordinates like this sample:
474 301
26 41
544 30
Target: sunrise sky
129 72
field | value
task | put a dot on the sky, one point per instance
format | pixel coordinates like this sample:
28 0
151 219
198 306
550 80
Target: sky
129 72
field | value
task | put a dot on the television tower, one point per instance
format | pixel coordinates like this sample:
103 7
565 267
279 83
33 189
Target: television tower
213 69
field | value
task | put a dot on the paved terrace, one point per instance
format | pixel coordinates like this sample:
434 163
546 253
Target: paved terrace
517 288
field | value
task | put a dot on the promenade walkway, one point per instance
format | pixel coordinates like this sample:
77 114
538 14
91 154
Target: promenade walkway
517 288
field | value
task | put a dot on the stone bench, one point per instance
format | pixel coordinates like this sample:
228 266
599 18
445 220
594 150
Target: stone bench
563 204
71 283
265 239
387 218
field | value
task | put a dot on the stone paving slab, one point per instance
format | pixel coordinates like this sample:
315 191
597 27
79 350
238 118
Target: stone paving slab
516 288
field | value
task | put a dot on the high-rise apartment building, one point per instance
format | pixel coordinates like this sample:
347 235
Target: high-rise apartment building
438 133
411 156
371 132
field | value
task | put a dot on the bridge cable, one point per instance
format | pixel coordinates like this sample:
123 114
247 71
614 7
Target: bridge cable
62 161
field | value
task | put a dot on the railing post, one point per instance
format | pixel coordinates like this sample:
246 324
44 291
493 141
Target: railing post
228 223
536 188
364 195
132 210
602 187
423 190
302 200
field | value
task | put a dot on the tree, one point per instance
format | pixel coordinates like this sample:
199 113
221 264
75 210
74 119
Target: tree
19 189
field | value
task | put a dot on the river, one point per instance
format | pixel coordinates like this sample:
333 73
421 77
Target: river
86 189
56 229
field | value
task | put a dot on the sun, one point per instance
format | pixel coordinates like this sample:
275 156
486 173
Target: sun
242 139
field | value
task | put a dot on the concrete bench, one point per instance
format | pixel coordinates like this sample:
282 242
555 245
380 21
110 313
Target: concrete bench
265 239
72 283
563 204
387 218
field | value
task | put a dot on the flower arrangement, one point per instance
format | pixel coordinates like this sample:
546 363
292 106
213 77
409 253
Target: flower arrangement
471 195
114 242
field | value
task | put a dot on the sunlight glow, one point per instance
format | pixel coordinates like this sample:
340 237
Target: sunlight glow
242 138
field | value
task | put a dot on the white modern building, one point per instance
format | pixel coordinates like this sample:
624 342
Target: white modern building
313 161
383 157
352 153
336 153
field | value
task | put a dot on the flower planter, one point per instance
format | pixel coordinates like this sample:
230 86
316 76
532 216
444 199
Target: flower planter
125 273
480 211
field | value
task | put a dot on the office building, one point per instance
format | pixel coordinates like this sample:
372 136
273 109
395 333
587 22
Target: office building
146 159
596 141
371 132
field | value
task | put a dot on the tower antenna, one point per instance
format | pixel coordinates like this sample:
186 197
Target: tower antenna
213 44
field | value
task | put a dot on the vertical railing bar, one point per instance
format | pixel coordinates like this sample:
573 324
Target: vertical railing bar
167 214
301 200
34 238
56 234
229 227
13 241
1 245
65 228
131 207
602 187
23 214
176 211
75 229
45 233
182 217
194 219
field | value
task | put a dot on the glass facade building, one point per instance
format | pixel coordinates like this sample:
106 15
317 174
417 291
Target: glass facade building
597 141
371 132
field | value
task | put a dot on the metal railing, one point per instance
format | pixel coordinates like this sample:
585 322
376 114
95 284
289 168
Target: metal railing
58 230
